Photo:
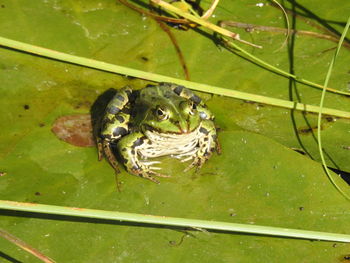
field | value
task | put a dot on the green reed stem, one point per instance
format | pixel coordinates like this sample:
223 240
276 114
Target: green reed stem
172 221
91 63
321 110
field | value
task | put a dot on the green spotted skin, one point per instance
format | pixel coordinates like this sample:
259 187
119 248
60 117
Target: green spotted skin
166 119
117 116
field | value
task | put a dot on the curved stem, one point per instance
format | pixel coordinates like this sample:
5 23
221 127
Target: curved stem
321 110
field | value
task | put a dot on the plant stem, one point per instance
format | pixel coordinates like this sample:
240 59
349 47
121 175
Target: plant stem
230 44
172 221
91 63
202 22
329 72
20 243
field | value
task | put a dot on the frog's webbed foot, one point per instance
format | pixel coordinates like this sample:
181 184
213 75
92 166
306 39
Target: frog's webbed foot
198 162
149 175
142 169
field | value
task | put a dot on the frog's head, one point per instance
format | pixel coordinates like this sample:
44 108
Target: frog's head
175 116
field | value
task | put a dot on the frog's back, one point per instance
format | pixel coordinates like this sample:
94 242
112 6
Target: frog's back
161 95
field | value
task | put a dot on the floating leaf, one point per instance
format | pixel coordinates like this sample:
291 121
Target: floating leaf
258 179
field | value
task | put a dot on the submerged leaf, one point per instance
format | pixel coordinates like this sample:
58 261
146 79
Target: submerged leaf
74 129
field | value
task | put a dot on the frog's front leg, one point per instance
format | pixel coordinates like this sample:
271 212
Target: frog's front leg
208 143
114 125
129 149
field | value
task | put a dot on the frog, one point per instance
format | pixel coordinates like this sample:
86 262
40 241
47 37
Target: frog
158 120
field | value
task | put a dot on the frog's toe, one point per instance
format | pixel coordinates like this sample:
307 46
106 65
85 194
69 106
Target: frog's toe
149 175
197 162
193 164
148 163
154 168
187 159
151 178
160 175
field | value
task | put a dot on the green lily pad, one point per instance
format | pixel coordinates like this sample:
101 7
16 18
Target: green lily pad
258 179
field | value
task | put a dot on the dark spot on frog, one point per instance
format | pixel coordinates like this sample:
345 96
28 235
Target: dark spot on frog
126 110
301 208
145 59
107 120
26 107
120 118
178 89
106 136
20 115
2 6
128 93
119 131
41 124
119 97
334 245
203 130
138 142
113 110
37 193
196 99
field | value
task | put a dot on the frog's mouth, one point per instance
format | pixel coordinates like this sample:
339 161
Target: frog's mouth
170 143
180 132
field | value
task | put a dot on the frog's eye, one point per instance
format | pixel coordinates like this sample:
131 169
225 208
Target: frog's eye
193 108
161 113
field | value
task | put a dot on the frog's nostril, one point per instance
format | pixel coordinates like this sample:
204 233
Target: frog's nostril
182 126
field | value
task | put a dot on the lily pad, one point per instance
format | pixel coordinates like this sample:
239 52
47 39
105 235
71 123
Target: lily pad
258 179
